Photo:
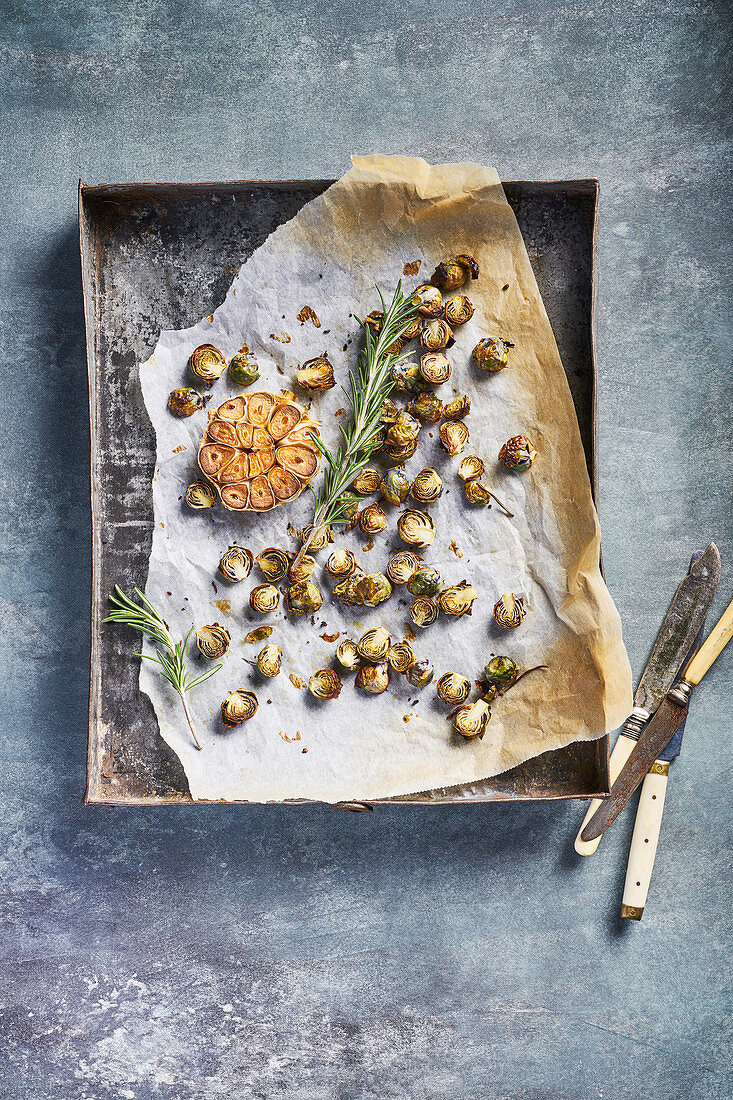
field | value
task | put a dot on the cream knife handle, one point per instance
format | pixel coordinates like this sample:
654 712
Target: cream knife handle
644 841
621 752
711 648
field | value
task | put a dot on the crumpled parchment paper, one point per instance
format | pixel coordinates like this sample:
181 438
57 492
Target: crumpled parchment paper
384 213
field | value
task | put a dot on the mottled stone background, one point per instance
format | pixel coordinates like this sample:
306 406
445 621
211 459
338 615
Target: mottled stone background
210 952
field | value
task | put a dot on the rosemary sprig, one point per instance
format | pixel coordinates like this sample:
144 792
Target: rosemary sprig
367 391
170 657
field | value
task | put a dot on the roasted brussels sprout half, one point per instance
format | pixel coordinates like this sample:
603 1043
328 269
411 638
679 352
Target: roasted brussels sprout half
207 364
243 369
340 564
492 353
400 656
501 672
374 321
509 611
320 540
264 598
405 429
423 611
395 486
451 274
238 707
458 599
373 589
453 436
420 673
471 467
407 378
372 519
425 581
200 495
458 310
518 453
389 412
427 486
373 678
349 504
304 598
435 368
427 407
453 688
212 641
374 645
413 329
325 683
476 492
430 299
236 564
270 660
348 592
457 409
367 481
471 719
303 571
436 334
401 566
347 655
399 452
185 402
273 563
489 693
416 528
316 374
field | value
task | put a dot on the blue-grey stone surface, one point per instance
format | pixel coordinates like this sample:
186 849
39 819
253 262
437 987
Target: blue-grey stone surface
196 952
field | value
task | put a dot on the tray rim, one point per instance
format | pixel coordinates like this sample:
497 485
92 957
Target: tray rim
587 185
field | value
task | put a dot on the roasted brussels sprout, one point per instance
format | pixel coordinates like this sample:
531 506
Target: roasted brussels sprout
423 611
436 334
316 374
372 519
471 467
430 299
273 563
501 672
407 378
413 329
402 565
457 409
458 599
200 495
374 321
185 402
325 684
453 688
395 486
425 581
243 369
476 492
427 407
349 503
400 656
207 364
395 348
320 540
304 598
347 655
399 452
435 368
453 273
212 641
373 678
518 453
416 528
420 673
367 480
238 707
236 564
373 589
453 436
374 645
303 571
270 660
427 486
348 592
340 564
471 719
489 693
264 598
509 611
389 412
458 310
404 430
492 353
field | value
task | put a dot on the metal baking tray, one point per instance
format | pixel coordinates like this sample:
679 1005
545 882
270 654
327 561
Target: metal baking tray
162 255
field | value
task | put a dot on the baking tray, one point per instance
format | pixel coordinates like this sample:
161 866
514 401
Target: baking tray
161 256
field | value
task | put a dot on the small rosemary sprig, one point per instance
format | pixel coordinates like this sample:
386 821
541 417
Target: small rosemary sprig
171 657
366 394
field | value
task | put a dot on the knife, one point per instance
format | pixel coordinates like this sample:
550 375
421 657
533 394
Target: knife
648 822
682 622
670 715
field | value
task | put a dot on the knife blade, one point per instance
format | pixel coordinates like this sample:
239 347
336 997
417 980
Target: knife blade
684 617
670 715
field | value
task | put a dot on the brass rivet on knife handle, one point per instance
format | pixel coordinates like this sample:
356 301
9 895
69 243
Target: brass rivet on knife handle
632 912
711 648
660 767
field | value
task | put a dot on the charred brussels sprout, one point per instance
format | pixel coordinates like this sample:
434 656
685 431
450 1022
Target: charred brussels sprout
476 492
325 684
470 468
501 672
453 688
424 582
185 402
316 374
238 707
243 369
427 486
453 436
264 598
402 565
518 453
236 564
303 571
373 678
374 321
416 528
407 378
373 589
420 673
451 274
492 353
304 598
399 452
389 412
200 495
212 641
458 310
458 408
404 430
430 299
509 611
320 540
273 563
395 486
427 407
207 364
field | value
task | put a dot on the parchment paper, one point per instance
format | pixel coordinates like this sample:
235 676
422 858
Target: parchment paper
384 213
